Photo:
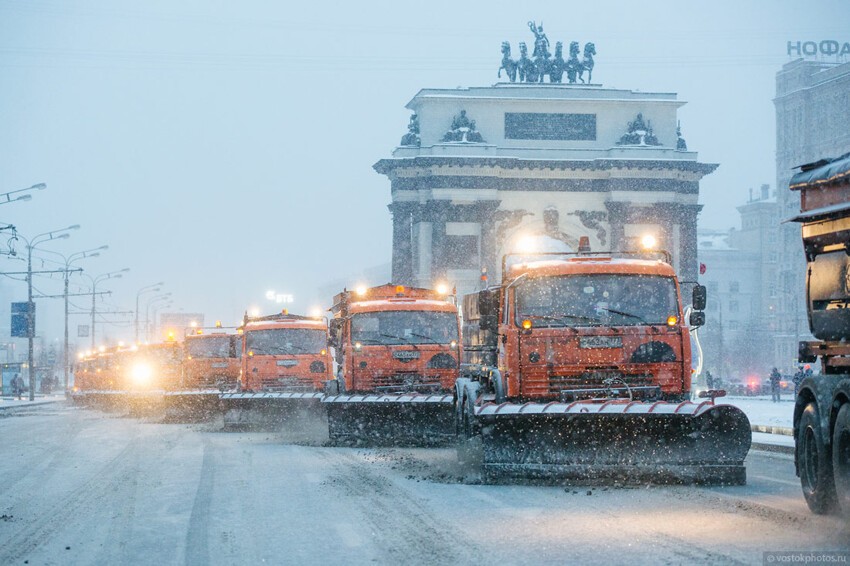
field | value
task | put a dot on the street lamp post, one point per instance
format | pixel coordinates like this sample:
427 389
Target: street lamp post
154 287
8 196
94 282
68 261
151 301
156 309
31 244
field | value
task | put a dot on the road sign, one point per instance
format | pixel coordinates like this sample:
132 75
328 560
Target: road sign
82 331
23 320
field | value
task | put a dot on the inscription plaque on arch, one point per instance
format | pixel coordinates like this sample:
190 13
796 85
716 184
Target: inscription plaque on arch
547 126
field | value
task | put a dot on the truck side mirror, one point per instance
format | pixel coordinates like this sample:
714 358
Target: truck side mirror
698 299
697 319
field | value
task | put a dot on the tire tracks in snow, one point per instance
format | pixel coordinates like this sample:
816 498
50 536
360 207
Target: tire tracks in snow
402 526
197 536
84 500
43 458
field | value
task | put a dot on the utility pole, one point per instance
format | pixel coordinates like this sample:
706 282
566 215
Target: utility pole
94 282
31 244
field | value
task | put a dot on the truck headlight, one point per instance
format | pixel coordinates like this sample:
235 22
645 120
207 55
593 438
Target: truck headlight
142 374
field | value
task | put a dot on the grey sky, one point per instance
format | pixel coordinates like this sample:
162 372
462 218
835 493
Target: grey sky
227 148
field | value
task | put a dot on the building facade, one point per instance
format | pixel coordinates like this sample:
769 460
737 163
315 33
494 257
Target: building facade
812 122
741 279
484 171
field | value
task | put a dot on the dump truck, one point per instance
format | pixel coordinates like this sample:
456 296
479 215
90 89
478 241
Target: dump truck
398 352
211 364
822 405
285 363
578 366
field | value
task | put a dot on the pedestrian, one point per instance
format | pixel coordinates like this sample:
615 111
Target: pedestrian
47 385
775 378
709 380
17 386
798 378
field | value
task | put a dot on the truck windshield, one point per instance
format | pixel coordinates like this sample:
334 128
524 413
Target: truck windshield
209 347
404 327
604 299
285 341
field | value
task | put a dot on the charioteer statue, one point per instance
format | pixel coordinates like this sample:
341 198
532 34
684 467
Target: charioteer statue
540 64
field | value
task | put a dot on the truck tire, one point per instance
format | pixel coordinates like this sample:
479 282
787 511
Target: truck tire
841 459
815 464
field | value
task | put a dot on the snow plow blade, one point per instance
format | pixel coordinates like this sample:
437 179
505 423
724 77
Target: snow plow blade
192 405
110 401
408 419
267 411
145 404
620 440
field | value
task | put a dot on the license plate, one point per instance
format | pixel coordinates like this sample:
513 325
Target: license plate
219 365
287 363
600 342
406 354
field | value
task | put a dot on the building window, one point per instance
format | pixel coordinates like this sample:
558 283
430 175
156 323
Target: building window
733 306
461 252
712 287
734 287
733 325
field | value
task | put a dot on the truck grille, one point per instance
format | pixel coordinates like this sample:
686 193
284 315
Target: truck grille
595 380
403 382
216 382
290 384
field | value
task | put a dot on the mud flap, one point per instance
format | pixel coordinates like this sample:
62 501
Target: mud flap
391 420
267 411
619 440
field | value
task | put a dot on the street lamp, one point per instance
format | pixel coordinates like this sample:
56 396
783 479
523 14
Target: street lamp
152 300
95 252
154 287
8 196
31 244
94 282
155 310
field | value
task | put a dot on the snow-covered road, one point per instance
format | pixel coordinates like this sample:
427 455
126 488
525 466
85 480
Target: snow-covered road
83 487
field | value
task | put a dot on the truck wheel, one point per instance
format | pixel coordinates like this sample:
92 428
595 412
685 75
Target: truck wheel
841 459
814 464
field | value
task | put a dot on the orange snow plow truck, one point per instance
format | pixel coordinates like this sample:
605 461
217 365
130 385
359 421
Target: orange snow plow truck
210 366
579 366
285 364
398 352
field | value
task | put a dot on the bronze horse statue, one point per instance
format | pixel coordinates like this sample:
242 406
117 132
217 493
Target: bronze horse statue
587 62
525 66
557 65
508 64
573 64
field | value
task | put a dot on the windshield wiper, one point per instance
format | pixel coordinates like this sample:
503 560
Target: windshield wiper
396 337
628 314
432 339
561 317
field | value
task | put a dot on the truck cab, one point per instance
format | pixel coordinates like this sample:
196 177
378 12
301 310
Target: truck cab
285 353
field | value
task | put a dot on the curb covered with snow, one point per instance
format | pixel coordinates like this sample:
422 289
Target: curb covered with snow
10 403
783 430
